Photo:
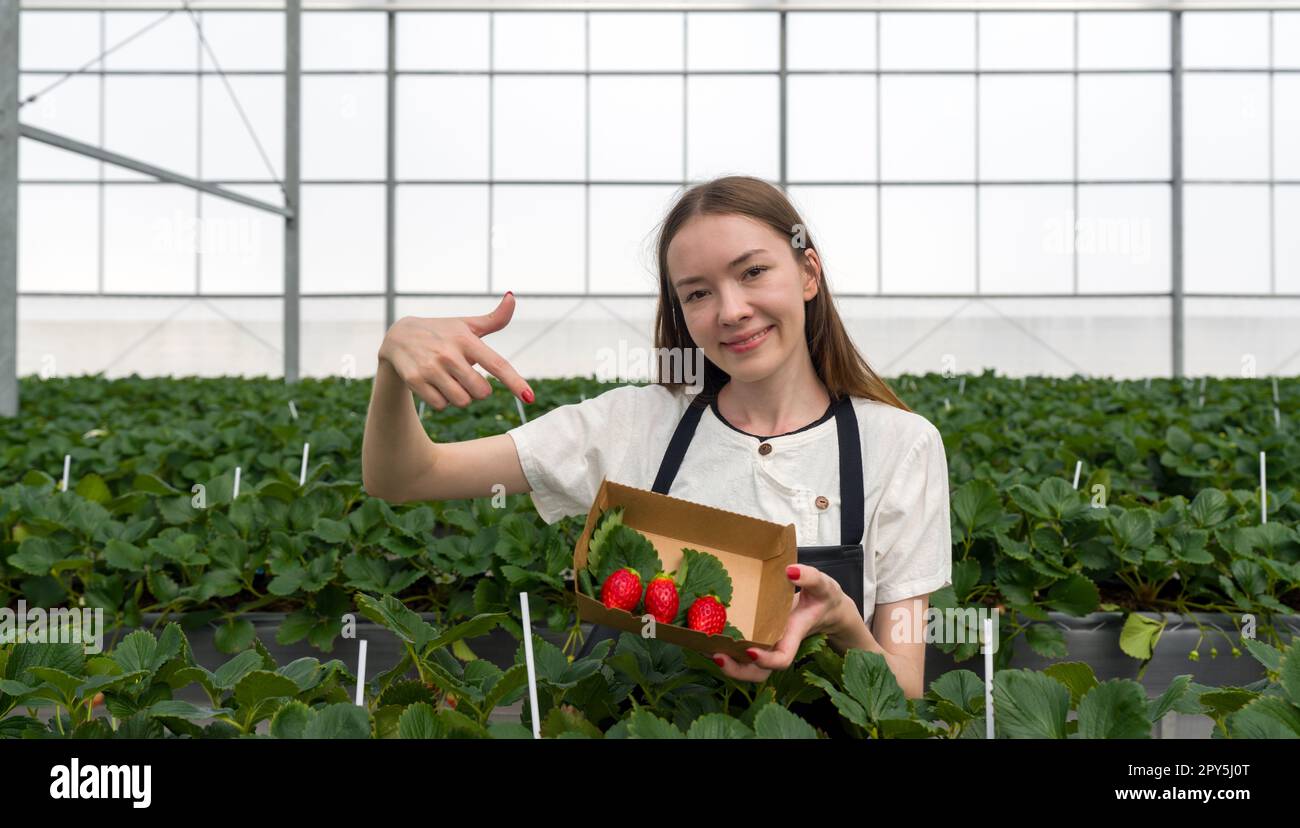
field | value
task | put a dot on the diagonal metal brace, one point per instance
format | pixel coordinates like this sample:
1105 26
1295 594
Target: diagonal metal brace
81 148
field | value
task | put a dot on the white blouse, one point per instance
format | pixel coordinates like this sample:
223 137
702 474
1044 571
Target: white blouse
623 434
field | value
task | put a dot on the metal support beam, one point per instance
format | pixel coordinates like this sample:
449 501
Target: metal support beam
1176 325
9 208
292 183
73 145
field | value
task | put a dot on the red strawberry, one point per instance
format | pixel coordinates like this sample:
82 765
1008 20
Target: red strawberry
661 598
707 615
622 590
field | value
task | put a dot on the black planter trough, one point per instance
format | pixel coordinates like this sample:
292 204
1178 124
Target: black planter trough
1094 639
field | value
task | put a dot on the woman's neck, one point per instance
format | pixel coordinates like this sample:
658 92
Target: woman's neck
776 404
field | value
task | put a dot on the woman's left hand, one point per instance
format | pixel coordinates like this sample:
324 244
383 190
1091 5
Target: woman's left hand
817 607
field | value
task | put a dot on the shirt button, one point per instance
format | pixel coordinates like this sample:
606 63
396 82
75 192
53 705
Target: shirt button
822 502
765 449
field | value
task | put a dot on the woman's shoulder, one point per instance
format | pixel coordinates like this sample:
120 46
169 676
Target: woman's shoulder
648 398
885 425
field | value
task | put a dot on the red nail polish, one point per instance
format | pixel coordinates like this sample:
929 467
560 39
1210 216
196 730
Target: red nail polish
792 572
510 293
718 660
528 395
752 653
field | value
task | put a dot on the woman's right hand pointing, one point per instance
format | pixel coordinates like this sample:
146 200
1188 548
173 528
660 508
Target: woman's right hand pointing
436 357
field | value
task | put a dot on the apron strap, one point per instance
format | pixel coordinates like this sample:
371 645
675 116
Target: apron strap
852 500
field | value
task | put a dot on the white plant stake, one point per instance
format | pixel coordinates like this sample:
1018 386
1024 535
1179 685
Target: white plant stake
421 414
67 466
1263 492
234 495
1148 383
1078 467
523 418
302 475
1277 417
361 676
583 396
988 678
1275 399
947 406
293 410
528 658
961 385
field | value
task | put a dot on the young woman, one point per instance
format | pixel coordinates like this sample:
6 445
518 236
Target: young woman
791 426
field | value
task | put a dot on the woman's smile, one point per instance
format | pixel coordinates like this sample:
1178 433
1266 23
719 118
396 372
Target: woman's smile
751 343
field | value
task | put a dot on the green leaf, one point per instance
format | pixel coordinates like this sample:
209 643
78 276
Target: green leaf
777 722
1076 595
1209 508
1030 705
234 635
417 722
1115 709
93 488
1139 636
339 721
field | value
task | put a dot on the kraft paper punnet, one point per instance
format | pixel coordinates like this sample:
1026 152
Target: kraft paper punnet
755 553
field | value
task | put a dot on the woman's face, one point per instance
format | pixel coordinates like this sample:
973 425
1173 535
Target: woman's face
735 277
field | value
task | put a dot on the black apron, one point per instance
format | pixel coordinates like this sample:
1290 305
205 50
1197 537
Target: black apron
843 562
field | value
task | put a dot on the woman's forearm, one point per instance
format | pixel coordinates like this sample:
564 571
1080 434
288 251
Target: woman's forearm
851 633
395 447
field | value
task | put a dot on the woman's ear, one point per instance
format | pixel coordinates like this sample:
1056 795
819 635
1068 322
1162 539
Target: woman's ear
811 268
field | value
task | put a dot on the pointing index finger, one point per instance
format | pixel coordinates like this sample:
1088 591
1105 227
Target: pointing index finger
496 365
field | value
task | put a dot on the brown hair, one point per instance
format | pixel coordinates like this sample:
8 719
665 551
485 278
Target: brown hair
836 359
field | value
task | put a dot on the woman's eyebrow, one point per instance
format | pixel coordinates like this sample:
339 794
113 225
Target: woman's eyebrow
733 263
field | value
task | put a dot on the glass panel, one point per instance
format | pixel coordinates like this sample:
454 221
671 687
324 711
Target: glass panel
441 238
732 126
229 149
733 40
442 40
538 238
1226 240
150 238
1225 126
927 128
624 234
636 128
58 39
637 41
1026 127
831 128
342 241
1017 40
1286 40
171 44
344 40
842 221
341 337
1286 217
1052 336
1123 126
830 40
194 336
71 109
927 40
343 127
1223 336
242 248
432 145
151 119
538 128
1225 40
1286 126
1122 238
1124 40
1025 239
928 239
58 238
244 40
539 40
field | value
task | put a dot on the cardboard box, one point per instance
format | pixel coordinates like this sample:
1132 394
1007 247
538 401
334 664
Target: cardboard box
755 553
